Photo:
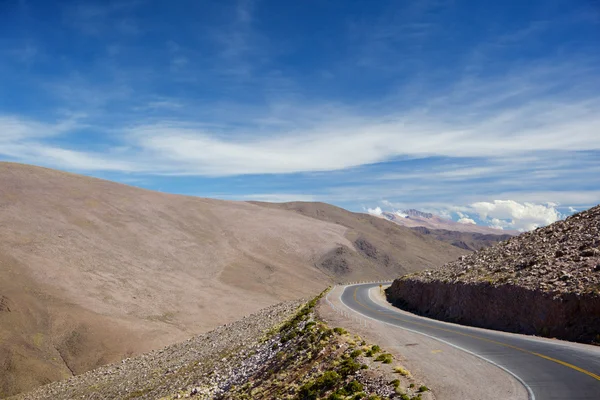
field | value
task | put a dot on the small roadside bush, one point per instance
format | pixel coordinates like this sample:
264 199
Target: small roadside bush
384 358
356 353
353 387
348 366
311 390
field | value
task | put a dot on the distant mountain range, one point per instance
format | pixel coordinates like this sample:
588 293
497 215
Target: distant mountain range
465 236
413 218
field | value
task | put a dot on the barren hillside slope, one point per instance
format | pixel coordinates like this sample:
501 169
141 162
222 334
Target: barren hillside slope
92 271
381 245
465 240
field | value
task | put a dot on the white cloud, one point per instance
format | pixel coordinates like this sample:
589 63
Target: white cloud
514 215
339 145
572 209
16 129
500 214
470 118
401 214
375 211
496 223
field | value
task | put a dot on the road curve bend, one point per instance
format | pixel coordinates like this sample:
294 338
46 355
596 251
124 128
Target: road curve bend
550 369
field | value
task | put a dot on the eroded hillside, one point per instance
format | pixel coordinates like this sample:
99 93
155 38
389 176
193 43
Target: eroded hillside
93 271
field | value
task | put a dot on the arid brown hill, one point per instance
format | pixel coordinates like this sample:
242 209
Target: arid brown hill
92 271
542 282
465 240
381 245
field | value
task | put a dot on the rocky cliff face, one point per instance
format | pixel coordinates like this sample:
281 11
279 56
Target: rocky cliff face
545 282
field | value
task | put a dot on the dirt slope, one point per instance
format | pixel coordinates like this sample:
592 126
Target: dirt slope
281 352
92 271
554 271
382 246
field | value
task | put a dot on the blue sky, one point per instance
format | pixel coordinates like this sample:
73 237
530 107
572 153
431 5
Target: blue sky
487 109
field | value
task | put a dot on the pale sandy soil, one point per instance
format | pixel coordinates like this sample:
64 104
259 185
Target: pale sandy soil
449 372
93 271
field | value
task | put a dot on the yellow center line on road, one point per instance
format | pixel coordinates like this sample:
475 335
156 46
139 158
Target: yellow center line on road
566 364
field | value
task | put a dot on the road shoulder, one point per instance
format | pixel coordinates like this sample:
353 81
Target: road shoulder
450 372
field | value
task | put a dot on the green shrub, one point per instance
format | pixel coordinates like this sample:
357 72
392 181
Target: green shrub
395 383
375 348
384 358
348 366
328 380
356 353
311 390
423 388
353 387
307 392
340 331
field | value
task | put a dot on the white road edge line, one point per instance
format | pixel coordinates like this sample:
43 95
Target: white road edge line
527 387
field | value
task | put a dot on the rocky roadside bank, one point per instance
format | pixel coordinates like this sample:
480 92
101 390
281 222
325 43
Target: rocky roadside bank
545 282
282 352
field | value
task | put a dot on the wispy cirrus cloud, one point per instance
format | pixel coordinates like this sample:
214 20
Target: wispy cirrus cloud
384 105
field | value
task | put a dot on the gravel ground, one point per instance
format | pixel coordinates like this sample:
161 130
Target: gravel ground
204 361
282 352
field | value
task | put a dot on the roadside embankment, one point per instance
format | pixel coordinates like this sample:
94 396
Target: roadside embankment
545 282
447 370
510 308
282 352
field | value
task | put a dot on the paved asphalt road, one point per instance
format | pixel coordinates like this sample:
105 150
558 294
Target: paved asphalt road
550 369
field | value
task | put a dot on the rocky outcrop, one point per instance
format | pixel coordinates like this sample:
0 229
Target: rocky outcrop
508 308
545 282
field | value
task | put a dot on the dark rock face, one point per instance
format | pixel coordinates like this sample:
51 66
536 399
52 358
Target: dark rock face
365 247
461 244
544 282
417 213
506 308
4 304
336 261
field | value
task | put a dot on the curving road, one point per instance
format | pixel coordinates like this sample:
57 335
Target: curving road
549 369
